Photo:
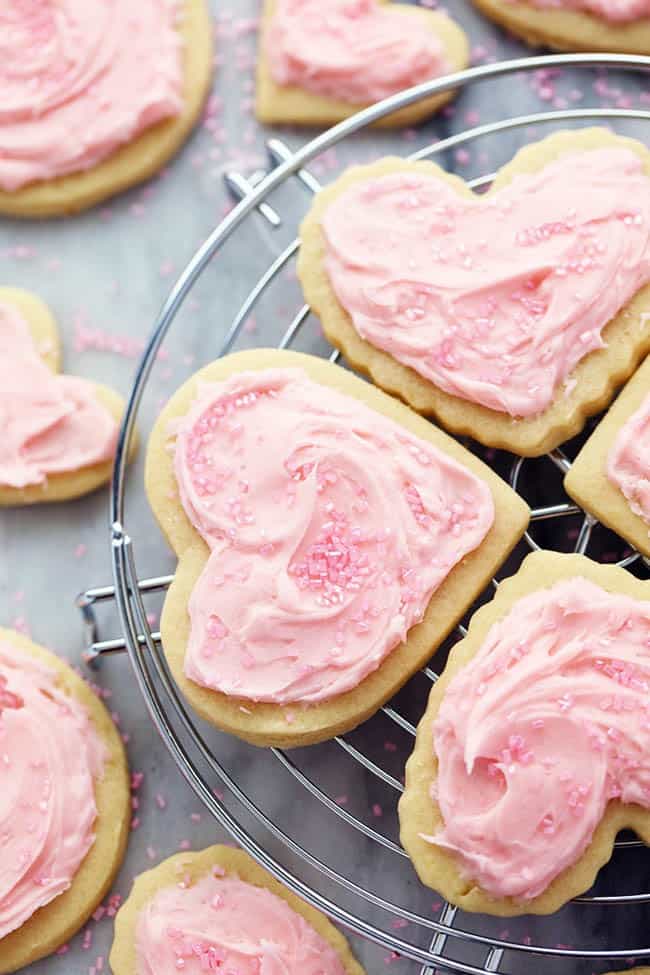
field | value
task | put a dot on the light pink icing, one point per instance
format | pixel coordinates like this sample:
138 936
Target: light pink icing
50 757
222 924
493 300
79 78
628 461
549 721
614 11
49 424
359 51
330 528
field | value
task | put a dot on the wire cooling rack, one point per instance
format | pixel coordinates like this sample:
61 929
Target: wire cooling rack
365 881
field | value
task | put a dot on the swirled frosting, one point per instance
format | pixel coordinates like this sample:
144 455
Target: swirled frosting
49 424
494 299
330 528
547 723
628 461
359 51
50 757
79 78
614 11
222 924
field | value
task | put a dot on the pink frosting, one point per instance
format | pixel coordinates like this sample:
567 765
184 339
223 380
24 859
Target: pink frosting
79 78
50 757
49 424
221 924
359 51
615 11
493 300
628 462
330 528
549 721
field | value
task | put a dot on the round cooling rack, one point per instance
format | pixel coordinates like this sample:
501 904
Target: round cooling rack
364 880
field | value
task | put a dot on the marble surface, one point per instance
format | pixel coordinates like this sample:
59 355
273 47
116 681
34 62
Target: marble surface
105 275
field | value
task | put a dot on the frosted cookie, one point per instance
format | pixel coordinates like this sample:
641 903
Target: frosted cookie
534 750
610 477
495 314
321 61
317 521
620 26
218 910
96 97
58 433
64 802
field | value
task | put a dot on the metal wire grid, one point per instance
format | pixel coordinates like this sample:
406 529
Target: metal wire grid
168 711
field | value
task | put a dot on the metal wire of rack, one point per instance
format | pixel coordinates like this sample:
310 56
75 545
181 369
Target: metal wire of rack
431 941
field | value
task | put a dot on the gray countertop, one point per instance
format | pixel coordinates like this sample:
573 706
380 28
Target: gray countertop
105 275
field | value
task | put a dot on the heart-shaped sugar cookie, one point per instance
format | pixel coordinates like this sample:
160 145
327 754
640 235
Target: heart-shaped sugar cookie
532 753
621 26
510 316
320 62
610 477
96 97
328 538
58 432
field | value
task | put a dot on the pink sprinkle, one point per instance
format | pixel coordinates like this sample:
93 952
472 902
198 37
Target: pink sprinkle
161 802
114 902
80 551
377 811
20 623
